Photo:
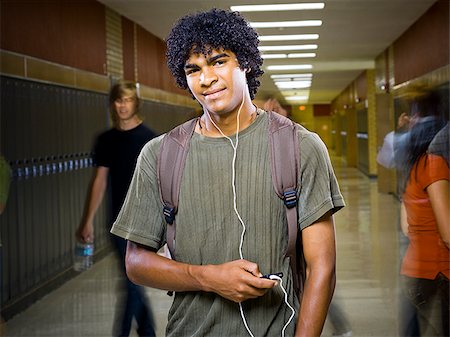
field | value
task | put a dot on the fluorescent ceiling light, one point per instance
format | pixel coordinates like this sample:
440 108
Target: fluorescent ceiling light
301 55
290 67
288 47
292 79
274 56
296 98
283 56
278 24
295 92
286 37
290 75
278 7
293 84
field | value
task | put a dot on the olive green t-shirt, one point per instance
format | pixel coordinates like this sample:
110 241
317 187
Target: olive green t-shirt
209 231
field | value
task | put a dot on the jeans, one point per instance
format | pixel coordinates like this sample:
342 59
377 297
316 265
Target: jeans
338 318
135 305
408 318
431 299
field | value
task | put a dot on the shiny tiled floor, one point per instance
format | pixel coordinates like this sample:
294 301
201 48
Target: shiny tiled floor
366 291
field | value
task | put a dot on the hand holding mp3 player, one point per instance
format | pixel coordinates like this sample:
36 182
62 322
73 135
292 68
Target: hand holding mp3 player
268 276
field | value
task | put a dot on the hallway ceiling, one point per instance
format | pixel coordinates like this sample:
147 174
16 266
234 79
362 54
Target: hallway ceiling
353 33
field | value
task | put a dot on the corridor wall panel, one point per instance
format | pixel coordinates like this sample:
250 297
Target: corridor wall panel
152 69
424 47
163 117
71 33
128 49
148 49
362 140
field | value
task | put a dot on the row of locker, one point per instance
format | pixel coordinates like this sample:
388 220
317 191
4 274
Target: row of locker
46 136
38 167
39 119
38 230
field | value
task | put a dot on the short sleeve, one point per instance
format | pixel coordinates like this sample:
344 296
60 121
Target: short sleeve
318 187
436 168
141 219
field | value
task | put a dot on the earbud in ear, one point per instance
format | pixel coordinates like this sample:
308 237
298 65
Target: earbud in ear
248 70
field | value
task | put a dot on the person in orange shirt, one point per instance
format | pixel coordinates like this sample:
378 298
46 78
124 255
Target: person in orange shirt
426 264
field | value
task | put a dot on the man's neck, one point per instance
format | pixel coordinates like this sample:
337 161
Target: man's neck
228 122
129 124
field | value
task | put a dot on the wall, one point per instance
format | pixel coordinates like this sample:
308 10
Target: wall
304 116
78 35
424 47
65 32
343 109
385 121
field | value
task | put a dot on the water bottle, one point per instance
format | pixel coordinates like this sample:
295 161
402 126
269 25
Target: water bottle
83 255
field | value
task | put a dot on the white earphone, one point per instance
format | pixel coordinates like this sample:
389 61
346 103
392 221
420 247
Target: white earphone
233 183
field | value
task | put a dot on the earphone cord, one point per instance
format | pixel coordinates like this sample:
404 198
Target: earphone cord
233 182
233 171
286 301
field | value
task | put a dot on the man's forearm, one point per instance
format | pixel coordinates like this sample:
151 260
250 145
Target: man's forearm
147 268
94 200
320 256
95 194
316 299
236 280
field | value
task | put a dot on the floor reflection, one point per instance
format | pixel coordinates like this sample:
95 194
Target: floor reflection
367 252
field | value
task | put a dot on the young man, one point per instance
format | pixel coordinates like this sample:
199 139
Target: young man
115 154
231 226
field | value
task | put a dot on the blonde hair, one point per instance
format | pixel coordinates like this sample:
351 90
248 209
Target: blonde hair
119 90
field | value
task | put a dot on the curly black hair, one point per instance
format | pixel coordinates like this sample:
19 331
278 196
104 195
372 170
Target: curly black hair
215 29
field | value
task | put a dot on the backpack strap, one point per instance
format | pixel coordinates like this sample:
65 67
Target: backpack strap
284 156
285 163
171 161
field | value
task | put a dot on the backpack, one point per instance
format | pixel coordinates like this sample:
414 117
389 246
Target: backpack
284 157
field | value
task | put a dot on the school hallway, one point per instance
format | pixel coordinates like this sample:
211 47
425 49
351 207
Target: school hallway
367 270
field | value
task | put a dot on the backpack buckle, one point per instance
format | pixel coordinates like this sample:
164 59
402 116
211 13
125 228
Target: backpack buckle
169 214
290 198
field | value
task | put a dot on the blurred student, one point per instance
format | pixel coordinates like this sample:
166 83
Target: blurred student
425 209
391 148
391 156
272 104
115 154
